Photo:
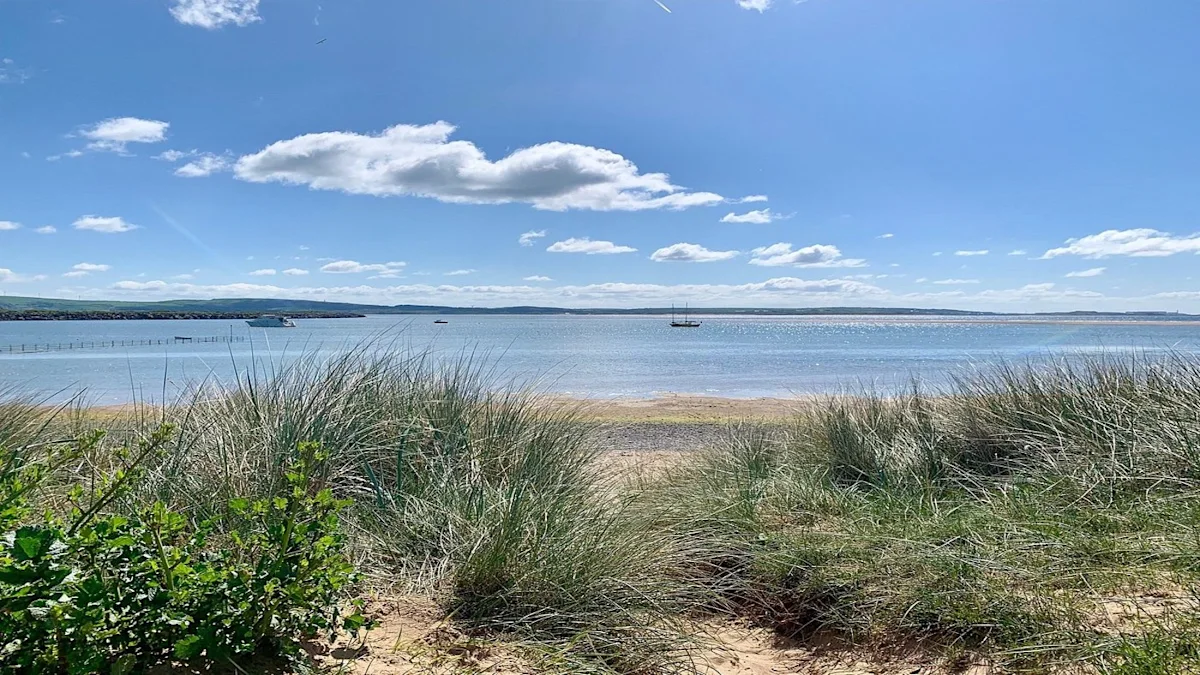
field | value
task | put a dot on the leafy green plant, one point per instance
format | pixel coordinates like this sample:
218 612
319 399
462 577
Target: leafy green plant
96 591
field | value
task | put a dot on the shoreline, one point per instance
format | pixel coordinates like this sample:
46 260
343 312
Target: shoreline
41 315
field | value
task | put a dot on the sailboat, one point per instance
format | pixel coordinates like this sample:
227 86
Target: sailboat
686 323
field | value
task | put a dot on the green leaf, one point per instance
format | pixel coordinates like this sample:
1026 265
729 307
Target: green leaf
354 622
33 543
189 647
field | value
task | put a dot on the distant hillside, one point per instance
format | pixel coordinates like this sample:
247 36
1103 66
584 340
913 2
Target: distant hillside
297 307
224 305
255 306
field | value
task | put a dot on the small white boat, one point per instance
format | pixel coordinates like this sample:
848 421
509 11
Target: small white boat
272 321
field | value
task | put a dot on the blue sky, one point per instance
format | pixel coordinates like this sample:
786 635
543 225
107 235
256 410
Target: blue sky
986 154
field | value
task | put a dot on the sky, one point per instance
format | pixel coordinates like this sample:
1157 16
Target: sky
1010 155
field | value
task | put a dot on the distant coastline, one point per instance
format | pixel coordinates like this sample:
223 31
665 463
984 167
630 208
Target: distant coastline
14 308
100 315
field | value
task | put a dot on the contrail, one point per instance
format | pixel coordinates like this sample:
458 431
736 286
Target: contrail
187 234
665 8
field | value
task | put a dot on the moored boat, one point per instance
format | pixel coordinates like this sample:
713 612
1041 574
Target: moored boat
272 321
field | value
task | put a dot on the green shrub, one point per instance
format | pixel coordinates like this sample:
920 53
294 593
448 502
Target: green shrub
90 590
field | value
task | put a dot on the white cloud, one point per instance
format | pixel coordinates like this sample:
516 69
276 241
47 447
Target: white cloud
817 255
886 235
421 160
1093 272
751 199
537 277
46 229
589 247
83 269
174 155
956 282
685 252
115 134
982 251
1139 243
9 225
265 272
102 224
1019 251
755 217
302 247
206 164
355 267
459 273
212 14
8 276
936 253
758 5
295 272
184 277
528 238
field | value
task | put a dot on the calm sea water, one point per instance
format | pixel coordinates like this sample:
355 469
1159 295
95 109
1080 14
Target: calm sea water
590 356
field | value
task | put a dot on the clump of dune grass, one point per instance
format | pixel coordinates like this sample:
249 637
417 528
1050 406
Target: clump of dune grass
991 518
466 487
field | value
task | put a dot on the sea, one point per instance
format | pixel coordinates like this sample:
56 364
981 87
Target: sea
584 356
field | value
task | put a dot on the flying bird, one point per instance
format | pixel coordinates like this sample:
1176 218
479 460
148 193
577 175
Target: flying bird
322 40
665 8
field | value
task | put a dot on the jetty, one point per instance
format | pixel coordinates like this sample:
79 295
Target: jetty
40 348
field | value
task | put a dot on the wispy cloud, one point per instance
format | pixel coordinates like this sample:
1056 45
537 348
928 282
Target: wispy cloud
355 267
205 164
8 225
459 273
1019 251
759 217
46 229
759 6
11 73
588 247
295 272
1137 243
537 277
265 272
8 276
885 235
982 251
83 269
1093 272
751 199
107 225
956 282
528 238
115 134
